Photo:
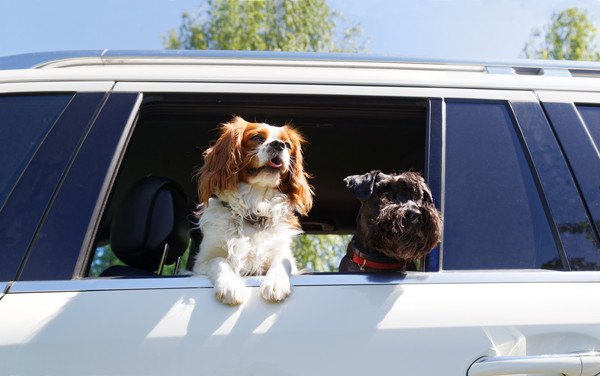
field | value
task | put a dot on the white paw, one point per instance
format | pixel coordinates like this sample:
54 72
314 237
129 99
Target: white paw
275 288
230 290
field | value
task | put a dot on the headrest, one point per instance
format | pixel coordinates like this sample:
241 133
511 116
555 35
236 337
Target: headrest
152 213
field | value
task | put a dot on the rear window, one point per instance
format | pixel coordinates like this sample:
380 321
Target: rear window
24 122
494 218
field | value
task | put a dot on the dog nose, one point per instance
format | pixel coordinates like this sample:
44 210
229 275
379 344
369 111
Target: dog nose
277 145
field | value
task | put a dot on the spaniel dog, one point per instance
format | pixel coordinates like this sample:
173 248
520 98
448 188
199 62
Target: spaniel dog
251 184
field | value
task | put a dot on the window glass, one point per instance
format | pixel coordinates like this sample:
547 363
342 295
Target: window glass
24 121
591 117
493 215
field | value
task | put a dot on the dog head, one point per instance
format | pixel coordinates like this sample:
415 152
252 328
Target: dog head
397 217
256 154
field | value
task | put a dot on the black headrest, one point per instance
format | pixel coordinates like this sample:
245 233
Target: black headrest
152 213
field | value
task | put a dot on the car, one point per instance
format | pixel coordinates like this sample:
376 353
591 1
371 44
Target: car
509 150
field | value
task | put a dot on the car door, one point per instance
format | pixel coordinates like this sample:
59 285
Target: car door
484 305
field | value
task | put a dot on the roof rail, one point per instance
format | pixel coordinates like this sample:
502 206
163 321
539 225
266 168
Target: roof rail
105 57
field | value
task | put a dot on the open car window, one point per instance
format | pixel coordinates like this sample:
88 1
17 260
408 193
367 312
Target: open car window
346 136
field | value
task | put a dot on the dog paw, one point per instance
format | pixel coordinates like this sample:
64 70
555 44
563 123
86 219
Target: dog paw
275 288
230 291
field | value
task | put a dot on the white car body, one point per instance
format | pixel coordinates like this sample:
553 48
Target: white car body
417 323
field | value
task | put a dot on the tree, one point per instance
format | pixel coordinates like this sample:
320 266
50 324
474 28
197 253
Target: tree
265 25
274 25
570 35
320 253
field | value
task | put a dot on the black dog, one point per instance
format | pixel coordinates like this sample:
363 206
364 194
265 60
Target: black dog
397 222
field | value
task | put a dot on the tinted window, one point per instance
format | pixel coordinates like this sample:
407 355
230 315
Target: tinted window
577 220
591 117
24 121
493 217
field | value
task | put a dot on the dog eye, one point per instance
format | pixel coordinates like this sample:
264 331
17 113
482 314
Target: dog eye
288 145
258 138
387 195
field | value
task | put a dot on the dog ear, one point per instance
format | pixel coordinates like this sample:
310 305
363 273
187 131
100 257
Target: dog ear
295 184
222 160
427 196
362 185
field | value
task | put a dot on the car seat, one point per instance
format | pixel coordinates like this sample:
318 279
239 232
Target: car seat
149 229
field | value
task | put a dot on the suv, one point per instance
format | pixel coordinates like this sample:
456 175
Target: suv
510 151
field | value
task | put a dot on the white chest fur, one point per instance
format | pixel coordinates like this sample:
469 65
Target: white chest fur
250 227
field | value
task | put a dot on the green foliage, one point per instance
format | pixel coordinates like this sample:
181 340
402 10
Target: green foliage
319 253
313 253
104 257
265 25
570 35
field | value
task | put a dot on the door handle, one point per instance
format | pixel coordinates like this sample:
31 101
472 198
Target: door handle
573 364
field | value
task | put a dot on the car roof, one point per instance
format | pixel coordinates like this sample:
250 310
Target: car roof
300 68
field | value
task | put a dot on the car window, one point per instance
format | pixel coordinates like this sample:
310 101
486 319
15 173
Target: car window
493 214
24 121
576 208
591 117
346 136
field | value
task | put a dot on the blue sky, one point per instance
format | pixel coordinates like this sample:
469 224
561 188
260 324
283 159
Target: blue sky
460 29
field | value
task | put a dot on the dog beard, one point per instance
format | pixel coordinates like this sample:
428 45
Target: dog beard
393 235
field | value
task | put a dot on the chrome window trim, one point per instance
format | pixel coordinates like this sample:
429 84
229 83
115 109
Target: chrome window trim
442 197
424 278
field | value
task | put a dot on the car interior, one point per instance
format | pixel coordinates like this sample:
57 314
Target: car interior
346 136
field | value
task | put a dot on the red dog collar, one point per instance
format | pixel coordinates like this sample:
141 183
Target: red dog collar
363 261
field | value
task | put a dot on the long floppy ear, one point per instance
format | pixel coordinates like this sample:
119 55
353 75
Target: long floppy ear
362 185
222 161
295 184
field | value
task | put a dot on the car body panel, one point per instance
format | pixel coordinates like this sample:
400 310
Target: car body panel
52 86
331 329
324 89
298 75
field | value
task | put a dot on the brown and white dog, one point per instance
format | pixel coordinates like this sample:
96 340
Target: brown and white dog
250 185
397 222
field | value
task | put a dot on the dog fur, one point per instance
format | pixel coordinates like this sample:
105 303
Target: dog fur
397 222
251 184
